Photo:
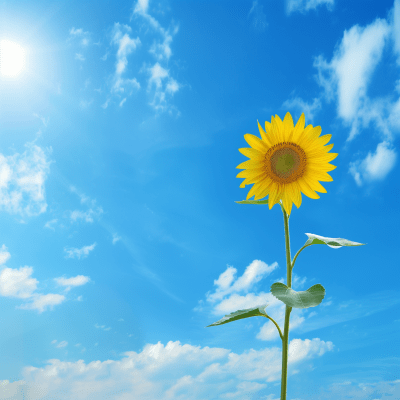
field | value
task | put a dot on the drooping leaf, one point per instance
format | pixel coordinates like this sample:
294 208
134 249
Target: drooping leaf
310 298
252 202
249 312
335 243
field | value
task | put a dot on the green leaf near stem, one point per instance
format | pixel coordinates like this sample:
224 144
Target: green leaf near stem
310 298
252 202
249 312
335 243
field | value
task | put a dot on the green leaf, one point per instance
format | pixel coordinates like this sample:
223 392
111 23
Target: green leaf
249 312
310 298
335 243
252 202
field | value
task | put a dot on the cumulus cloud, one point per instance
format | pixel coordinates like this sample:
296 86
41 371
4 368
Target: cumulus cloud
304 6
22 181
170 371
19 284
78 253
374 167
348 74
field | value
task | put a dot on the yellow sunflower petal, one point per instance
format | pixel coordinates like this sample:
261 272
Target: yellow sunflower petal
255 142
249 164
287 198
305 188
298 129
276 135
252 153
266 138
252 192
275 195
297 192
324 158
314 184
320 175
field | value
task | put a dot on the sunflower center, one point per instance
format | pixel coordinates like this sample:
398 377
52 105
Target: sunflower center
285 162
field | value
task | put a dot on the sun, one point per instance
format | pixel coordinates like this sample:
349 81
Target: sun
12 58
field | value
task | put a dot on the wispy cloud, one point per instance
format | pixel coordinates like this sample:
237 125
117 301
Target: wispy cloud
80 35
78 280
161 86
103 327
92 212
258 16
309 109
304 6
115 238
78 253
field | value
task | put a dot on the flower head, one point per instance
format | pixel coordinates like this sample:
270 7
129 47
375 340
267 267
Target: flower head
286 161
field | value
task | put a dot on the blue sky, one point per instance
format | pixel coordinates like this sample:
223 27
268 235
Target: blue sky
120 236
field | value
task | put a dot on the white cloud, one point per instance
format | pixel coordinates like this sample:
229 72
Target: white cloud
17 282
83 104
349 72
81 35
395 22
253 274
161 50
49 223
61 344
82 252
79 56
126 45
41 301
115 238
171 371
141 6
305 5
308 109
4 254
103 327
374 166
78 280
259 18
88 215
22 179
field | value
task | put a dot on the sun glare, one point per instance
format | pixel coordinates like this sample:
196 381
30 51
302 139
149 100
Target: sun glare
11 58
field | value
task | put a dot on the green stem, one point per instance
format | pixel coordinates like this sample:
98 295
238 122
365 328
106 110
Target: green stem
279 329
285 340
294 259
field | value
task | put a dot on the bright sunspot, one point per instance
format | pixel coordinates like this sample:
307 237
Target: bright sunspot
11 58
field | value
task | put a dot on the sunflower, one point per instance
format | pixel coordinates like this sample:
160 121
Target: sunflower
286 161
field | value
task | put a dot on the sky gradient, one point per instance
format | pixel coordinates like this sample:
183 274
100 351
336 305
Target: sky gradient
120 237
